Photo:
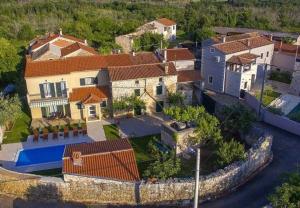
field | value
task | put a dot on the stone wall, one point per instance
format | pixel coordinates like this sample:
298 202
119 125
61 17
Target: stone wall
93 190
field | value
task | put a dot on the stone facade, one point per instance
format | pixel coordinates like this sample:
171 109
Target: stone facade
94 190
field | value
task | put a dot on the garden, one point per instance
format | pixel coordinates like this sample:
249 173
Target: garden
269 95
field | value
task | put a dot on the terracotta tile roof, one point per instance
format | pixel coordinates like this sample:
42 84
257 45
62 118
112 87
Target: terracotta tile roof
242 44
64 66
76 46
242 59
286 48
89 94
166 22
82 63
41 41
179 54
189 75
105 159
62 43
140 71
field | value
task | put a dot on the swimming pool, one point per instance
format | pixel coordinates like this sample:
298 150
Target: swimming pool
40 155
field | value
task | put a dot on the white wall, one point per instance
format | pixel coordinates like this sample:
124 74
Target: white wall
184 65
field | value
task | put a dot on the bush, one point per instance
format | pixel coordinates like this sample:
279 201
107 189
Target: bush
285 77
229 152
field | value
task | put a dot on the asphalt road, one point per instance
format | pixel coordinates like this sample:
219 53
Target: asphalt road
286 150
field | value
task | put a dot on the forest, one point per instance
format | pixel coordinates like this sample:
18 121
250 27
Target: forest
100 21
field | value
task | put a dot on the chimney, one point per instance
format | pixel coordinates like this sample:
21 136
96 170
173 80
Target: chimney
60 32
166 68
165 56
85 42
223 39
77 159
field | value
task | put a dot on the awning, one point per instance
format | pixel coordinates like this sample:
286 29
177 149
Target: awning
48 102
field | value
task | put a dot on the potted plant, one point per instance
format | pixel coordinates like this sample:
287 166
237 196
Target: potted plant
55 132
45 133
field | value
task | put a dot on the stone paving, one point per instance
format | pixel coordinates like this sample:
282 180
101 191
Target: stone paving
95 130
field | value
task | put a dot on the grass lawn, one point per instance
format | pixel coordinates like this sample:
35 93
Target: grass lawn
140 147
111 131
268 96
20 130
51 172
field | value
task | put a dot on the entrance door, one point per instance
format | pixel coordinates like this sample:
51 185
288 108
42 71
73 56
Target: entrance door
92 111
159 106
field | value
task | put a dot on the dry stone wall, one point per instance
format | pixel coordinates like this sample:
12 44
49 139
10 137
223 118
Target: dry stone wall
94 190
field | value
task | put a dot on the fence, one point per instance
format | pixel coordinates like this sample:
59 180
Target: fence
281 122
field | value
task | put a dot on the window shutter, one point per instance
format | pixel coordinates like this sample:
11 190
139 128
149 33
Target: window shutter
58 89
52 89
42 91
82 82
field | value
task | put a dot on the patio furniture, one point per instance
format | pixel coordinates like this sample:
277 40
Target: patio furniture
35 135
66 132
45 134
75 132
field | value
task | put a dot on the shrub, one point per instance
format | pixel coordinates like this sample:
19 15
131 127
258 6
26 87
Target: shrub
285 77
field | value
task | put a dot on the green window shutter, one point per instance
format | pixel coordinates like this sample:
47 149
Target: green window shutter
82 82
42 91
52 89
58 89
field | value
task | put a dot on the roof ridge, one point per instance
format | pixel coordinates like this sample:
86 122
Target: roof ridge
101 153
134 65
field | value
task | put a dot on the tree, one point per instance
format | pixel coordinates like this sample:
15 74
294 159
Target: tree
10 109
128 103
229 152
149 42
9 57
176 99
237 118
26 32
288 194
164 167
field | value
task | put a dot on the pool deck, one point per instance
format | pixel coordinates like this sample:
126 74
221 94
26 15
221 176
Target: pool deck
9 152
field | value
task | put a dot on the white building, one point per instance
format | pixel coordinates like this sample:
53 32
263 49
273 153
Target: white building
231 63
165 27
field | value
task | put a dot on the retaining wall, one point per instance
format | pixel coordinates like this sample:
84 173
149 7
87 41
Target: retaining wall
95 190
273 119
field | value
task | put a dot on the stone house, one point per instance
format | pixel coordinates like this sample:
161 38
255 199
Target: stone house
231 63
163 26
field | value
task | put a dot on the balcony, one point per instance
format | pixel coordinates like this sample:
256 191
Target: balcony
36 101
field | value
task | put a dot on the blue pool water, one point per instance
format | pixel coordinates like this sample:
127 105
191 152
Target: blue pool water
40 155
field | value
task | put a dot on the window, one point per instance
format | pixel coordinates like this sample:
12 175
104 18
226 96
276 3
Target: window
47 90
212 50
268 54
137 92
245 85
210 79
88 81
160 79
174 27
103 104
92 111
261 55
165 28
159 90
137 82
61 90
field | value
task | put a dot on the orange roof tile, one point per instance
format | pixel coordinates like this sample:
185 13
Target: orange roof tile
179 54
140 71
62 43
189 76
242 44
76 46
166 22
105 159
89 94
287 48
242 59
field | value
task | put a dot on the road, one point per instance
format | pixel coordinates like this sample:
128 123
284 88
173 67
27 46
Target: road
251 195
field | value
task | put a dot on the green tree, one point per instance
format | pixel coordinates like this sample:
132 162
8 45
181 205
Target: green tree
9 57
26 32
149 42
229 152
176 99
288 194
164 167
10 110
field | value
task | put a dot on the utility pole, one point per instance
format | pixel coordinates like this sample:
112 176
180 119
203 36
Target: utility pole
197 179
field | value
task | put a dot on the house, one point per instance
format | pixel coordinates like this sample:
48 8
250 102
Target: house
286 57
57 46
162 26
232 63
110 160
84 87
